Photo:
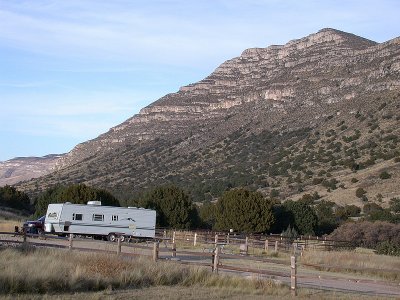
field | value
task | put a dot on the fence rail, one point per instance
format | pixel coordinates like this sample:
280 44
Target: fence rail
219 253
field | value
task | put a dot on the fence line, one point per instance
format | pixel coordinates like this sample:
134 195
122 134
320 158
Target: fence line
215 253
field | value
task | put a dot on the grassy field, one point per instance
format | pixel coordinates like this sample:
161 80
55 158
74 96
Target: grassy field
370 264
56 271
61 274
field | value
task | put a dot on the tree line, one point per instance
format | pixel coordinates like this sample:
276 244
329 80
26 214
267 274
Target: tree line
240 210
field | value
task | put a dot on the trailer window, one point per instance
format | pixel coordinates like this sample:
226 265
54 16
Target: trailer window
77 217
98 217
114 218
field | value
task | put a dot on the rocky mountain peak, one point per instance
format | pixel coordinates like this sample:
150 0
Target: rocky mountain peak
327 37
236 126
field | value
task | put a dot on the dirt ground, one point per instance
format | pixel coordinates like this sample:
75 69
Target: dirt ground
187 293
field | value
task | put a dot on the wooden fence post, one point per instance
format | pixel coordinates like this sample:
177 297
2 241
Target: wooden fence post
71 236
247 245
276 246
24 240
216 259
293 276
266 245
165 233
195 239
173 236
173 249
216 239
119 246
227 238
155 251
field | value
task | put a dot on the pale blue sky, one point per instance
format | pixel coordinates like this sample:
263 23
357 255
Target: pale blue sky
70 70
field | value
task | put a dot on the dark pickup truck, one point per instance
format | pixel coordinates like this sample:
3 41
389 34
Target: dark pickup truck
34 227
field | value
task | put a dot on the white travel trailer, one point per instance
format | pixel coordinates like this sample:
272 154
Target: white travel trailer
100 221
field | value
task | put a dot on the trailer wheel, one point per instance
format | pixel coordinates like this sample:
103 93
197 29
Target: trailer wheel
112 237
122 237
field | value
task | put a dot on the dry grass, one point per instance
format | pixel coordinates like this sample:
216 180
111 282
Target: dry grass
54 271
8 225
370 264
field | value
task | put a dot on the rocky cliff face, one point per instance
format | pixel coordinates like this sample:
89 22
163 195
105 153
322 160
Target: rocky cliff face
25 168
326 67
270 98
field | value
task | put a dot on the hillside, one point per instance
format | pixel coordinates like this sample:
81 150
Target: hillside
318 114
25 168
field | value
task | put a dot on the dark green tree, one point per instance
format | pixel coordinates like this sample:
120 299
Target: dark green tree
283 218
207 215
304 217
78 194
327 221
11 197
244 211
174 207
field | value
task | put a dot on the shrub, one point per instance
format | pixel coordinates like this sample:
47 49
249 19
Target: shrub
388 248
394 205
368 234
360 192
384 175
274 193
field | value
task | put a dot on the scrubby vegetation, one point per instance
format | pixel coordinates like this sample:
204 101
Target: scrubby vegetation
382 236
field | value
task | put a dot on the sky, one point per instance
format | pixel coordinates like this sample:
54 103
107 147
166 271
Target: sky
72 69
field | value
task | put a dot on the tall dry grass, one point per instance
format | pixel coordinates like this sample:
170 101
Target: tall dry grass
370 264
54 271
8 225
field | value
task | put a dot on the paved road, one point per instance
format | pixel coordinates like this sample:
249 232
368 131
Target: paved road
264 268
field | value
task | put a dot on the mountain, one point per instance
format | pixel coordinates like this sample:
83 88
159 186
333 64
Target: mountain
318 114
25 168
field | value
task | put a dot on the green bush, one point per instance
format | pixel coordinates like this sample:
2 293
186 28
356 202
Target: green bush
360 192
388 248
384 175
354 180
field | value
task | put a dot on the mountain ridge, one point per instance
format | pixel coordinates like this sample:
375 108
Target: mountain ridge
151 111
279 92
24 168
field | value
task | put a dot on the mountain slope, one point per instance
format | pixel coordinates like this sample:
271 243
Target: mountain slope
25 168
268 119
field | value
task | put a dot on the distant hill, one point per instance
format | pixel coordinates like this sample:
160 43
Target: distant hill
320 114
25 168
